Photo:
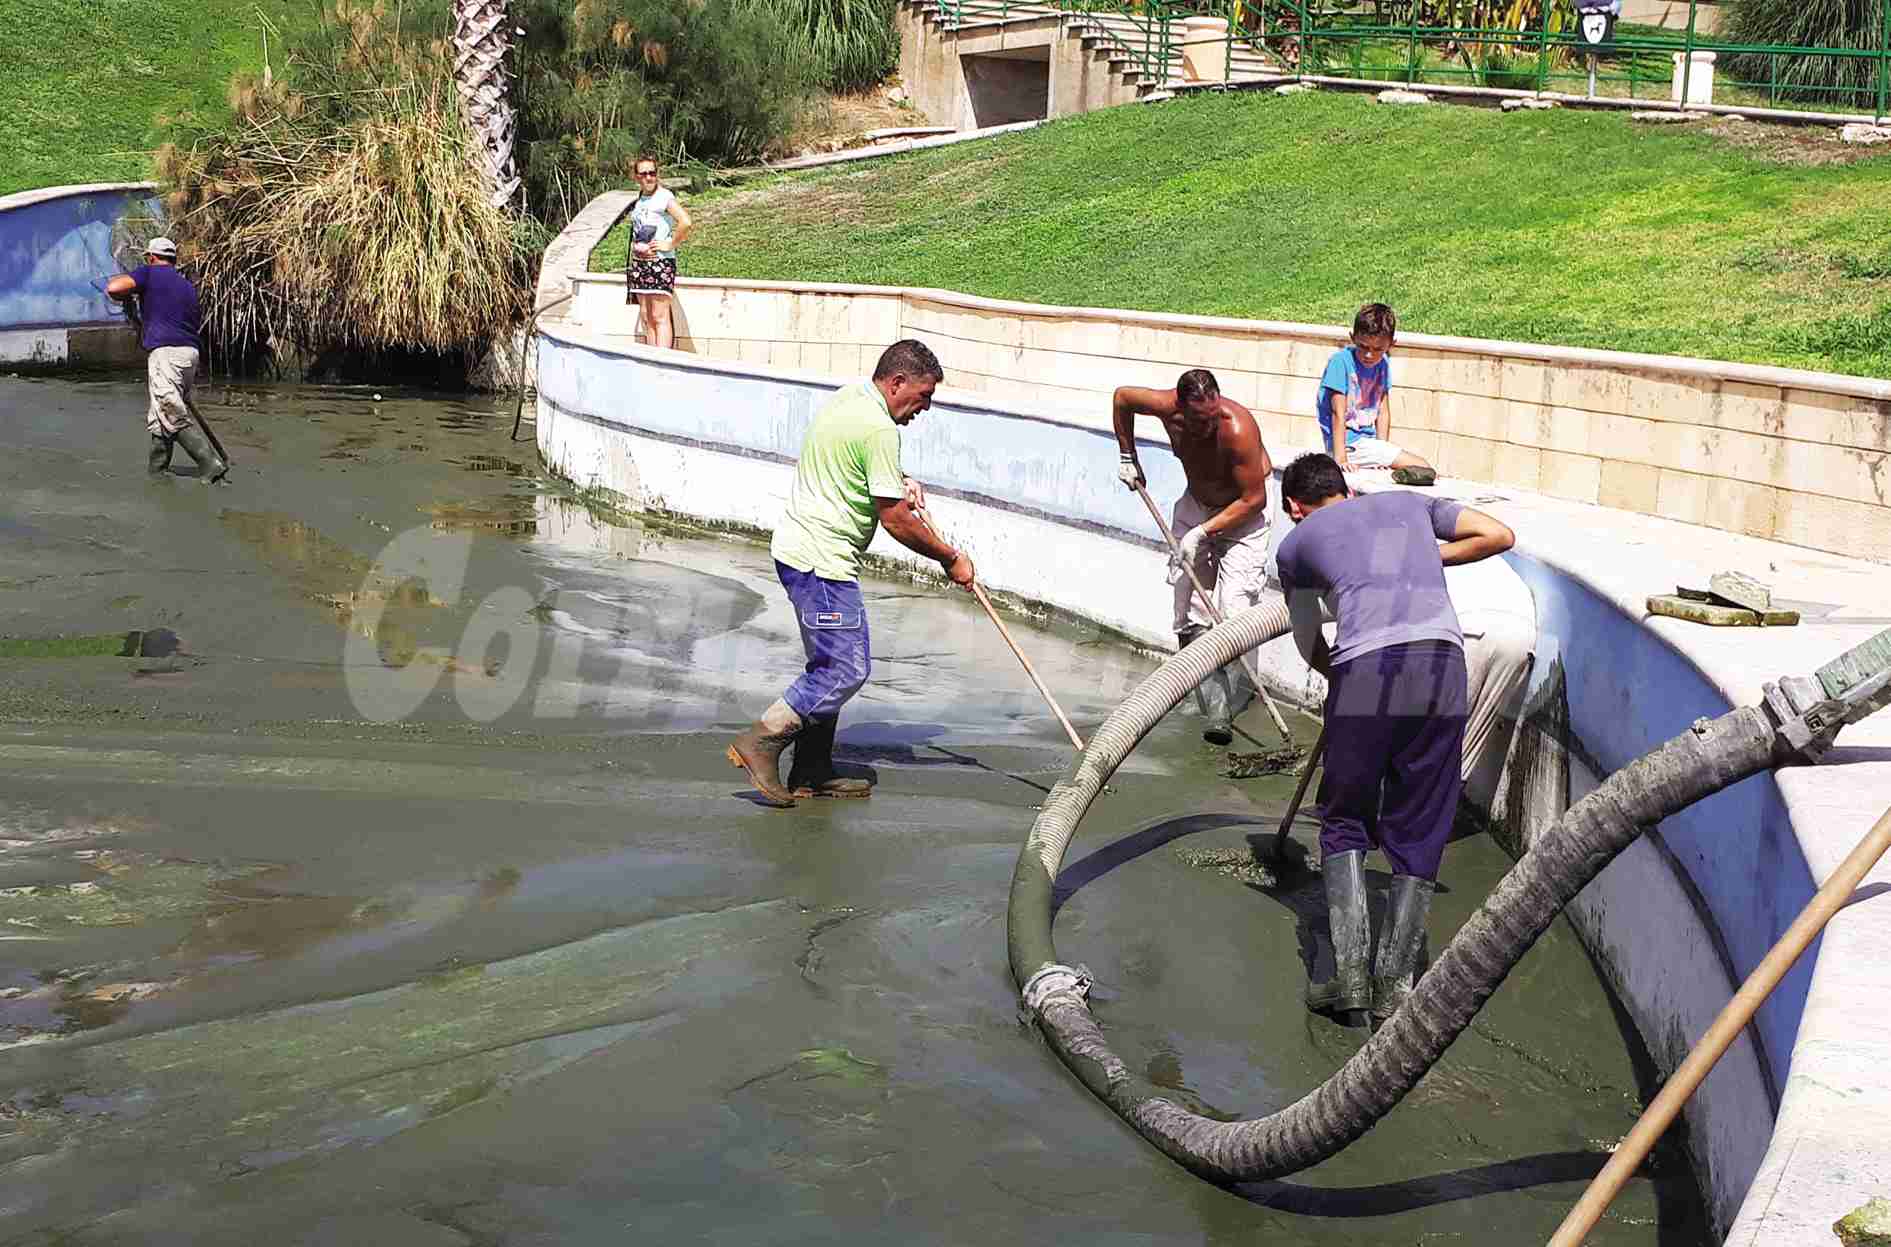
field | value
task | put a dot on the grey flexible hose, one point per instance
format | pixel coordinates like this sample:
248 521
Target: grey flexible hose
1711 756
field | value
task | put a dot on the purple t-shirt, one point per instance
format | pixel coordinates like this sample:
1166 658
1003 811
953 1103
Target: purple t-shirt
170 310
1375 560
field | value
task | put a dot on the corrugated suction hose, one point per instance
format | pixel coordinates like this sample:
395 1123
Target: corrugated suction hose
1711 756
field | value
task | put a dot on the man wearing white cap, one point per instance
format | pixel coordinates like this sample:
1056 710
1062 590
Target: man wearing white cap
172 325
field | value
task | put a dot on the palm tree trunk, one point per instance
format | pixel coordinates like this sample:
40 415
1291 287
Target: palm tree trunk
482 35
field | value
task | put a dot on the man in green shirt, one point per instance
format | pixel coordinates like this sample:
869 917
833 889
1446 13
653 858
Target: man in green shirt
848 484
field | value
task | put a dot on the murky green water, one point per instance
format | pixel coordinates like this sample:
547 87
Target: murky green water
412 901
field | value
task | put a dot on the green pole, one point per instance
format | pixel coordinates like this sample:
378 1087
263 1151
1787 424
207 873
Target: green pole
1306 36
1687 58
1411 48
1884 54
1543 48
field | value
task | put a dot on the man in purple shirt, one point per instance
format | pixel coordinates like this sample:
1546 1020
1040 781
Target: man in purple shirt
1395 705
172 335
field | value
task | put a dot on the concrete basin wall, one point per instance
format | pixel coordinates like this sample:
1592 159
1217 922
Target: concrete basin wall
1800 457
1788 1133
54 244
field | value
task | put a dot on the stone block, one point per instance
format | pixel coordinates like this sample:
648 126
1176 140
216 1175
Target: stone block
784 355
1667 397
1629 486
1665 116
1599 389
754 350
1834 471
1273 392
1521 466
1682 496
1272 354
1396 96
1843 419
1470 458
1413 409
1686 447
1415 369
1525 423
1466 373
1293 88
1855 528
1860 132
1575 477
1474 415
1623 437
818 358
1081 337
874 320
1240 385
1747 408
1742 507
1525 381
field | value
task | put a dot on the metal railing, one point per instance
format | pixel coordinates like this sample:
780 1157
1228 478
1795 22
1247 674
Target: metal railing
1540 49
1143 30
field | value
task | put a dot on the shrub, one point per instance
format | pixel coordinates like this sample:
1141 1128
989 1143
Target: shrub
342 208
1833 81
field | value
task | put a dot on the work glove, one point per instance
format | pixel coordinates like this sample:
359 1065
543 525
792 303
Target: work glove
1129 472
1185 551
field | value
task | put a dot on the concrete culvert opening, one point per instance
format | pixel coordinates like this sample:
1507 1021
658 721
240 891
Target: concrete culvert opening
1008 86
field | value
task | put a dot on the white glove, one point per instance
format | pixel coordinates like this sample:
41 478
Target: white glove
1185 552
1129 472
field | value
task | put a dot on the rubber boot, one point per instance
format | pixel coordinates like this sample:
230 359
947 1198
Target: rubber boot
812 774
1214 697
159 461
1400 944
758 751
1349 991
210 465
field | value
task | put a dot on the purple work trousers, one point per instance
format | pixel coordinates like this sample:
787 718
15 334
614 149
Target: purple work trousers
833 619
1394 742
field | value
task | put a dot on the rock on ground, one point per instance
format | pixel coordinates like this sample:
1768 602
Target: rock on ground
1866 1226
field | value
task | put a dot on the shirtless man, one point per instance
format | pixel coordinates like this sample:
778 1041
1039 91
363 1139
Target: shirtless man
1222 517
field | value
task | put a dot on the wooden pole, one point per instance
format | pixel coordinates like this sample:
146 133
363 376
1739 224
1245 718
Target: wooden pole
1208 605
1299 794
1733 1019
979 593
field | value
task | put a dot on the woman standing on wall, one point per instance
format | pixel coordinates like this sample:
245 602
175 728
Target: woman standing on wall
657 224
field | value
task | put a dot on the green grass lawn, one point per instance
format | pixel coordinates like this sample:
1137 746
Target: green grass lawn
1734 242
85 79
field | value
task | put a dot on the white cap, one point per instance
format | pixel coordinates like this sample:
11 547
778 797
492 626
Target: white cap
161 247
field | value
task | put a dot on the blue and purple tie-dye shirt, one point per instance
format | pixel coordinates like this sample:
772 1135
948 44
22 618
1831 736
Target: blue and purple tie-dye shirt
1365 389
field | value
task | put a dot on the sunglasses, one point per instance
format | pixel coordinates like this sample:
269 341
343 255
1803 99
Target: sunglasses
646 173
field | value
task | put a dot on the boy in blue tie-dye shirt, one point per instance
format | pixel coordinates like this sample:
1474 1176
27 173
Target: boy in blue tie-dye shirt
1355 400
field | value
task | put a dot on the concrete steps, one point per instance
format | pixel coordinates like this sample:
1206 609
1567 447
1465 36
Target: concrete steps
1120 40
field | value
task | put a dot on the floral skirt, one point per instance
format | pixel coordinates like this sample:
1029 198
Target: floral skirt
653 276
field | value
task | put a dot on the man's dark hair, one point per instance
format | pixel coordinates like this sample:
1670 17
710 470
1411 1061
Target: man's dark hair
1196 385
909 357
1375 319
1312 479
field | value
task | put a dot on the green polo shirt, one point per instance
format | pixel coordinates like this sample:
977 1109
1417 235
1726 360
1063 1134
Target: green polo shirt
850 457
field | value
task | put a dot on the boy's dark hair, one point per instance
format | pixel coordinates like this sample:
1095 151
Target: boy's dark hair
911 358
1196 385
1375 319
1311 479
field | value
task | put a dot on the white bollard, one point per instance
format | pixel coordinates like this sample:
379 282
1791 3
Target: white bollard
1699 80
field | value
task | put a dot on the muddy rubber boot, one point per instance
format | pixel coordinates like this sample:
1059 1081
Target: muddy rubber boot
210 465
758 751
159 460
813 774
1400 944
1349 991
1213 697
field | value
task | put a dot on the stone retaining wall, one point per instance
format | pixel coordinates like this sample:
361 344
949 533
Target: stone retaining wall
1795 456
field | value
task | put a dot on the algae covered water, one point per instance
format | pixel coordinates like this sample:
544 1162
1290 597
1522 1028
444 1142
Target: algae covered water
407 897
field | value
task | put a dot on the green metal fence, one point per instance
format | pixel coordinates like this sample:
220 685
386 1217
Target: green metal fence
1539 48
1144 30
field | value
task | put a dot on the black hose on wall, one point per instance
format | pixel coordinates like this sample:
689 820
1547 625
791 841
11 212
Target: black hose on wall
1709 757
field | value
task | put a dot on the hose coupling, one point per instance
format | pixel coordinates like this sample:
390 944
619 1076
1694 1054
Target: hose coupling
1808 711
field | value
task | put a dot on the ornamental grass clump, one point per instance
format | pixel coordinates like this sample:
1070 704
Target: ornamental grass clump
342 208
